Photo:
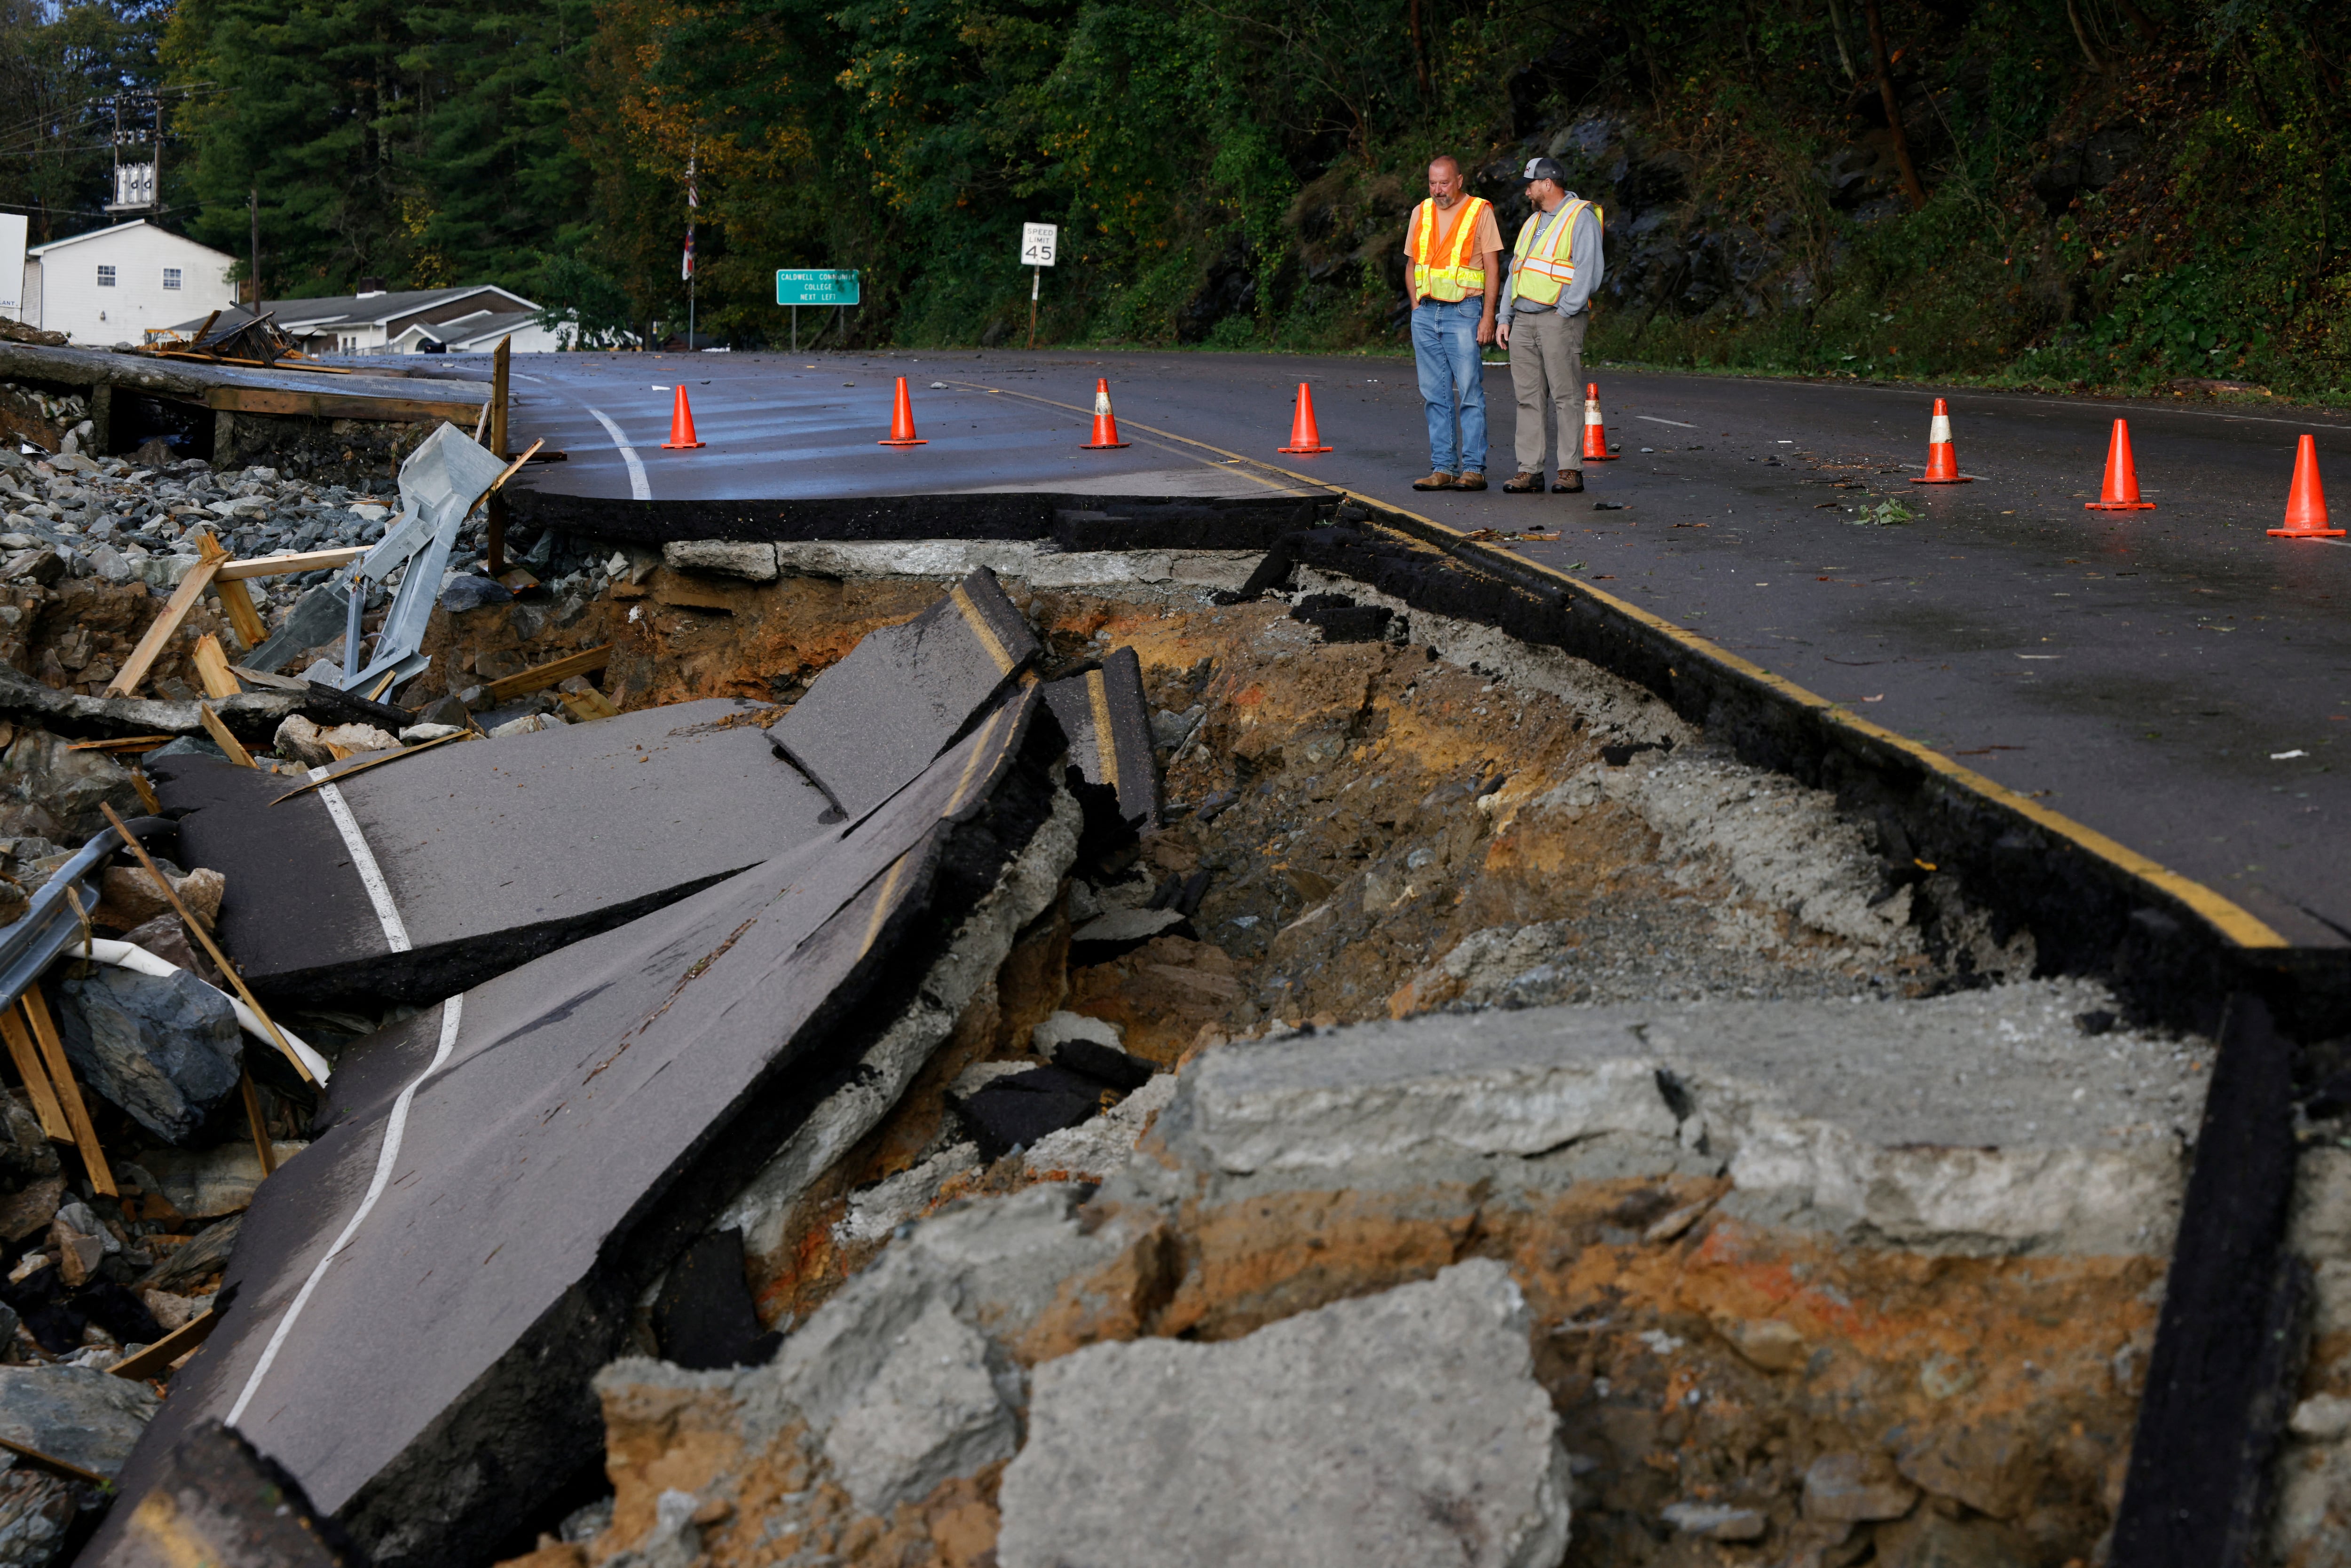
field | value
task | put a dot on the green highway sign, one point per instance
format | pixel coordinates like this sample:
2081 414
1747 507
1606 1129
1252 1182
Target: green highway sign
814 285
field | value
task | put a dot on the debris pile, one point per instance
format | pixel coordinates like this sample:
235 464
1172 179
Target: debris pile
757 1053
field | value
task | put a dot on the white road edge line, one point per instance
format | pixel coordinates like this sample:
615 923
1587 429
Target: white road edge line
379 891
639 488
1652 419
395 1128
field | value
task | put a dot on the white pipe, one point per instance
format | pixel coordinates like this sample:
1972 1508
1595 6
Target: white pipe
127 956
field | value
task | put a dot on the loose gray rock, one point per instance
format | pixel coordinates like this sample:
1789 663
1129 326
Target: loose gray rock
35 1508
84 1417
315 619
56 793
1402 1427
467 591
167 1051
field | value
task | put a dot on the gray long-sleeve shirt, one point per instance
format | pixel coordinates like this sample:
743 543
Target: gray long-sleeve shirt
1582 254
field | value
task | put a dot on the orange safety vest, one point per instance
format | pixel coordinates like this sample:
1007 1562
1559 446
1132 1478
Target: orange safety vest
1548 267
1452 281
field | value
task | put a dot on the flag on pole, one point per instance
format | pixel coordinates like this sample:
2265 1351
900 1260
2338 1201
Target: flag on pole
686 271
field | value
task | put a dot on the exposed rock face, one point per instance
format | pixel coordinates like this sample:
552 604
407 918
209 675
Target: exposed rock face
1402 1427
167 1051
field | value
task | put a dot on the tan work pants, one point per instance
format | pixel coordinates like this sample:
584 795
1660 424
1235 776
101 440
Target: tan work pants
1547 366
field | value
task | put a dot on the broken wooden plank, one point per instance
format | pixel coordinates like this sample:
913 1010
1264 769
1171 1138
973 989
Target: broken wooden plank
147 801
175 609
588 706
63 1466
157 1358
212 668
234 748
387 756
124 743
553 673
258 1123
238 605
27 1056
336 405
284 565
196 929
53 1053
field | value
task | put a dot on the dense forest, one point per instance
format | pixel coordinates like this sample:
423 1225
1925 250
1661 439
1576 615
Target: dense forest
2102 192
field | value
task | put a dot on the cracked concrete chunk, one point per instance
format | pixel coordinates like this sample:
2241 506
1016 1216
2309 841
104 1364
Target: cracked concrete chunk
1401 1427
754 562
930 1411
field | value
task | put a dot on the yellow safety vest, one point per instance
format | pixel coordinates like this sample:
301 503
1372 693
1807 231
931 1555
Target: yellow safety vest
1547 268
1452 281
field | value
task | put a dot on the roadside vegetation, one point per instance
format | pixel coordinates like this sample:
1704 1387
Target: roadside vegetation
2108 193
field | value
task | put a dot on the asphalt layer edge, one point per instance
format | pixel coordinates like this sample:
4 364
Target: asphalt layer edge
2238 926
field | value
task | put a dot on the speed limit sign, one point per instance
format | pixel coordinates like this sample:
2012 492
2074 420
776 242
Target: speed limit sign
1037 243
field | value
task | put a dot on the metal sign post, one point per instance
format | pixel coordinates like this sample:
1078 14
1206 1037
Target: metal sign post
1037 243
813 285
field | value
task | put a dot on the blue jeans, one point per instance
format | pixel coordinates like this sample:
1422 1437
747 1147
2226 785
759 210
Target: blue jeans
1445 345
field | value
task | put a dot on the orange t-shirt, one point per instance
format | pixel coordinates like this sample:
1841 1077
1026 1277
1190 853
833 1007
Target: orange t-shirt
1484 242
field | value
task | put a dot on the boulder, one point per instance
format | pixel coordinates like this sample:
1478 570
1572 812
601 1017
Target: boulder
1402 1428
166 1050
204 1184
25 1155
48 790
84 1417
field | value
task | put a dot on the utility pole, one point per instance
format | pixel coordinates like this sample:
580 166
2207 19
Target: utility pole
253 267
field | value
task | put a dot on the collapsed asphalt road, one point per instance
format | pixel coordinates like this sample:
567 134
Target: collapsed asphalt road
2167 678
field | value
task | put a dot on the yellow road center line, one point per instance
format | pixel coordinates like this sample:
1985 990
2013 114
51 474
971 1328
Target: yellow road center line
1105 746
981 628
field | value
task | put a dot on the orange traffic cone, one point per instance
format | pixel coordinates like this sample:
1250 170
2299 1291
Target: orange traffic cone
901 420
1303 436
2121 493
1942 462
681 423
1595 434
2306 504
1105 422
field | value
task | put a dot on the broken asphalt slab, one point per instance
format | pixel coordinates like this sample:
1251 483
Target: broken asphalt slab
508 1172
410 881
877 718
1104 713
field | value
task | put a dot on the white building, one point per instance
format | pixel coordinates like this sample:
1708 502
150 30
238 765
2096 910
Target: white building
467 319
113 285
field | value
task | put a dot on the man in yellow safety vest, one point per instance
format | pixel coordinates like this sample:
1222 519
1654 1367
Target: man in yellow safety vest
1554 267
1455 251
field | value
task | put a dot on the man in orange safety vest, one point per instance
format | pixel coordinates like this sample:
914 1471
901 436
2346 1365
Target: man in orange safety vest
1455 249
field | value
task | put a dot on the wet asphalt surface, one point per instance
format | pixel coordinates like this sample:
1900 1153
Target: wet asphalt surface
2174 678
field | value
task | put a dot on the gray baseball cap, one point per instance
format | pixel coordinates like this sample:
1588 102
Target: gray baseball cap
1545 169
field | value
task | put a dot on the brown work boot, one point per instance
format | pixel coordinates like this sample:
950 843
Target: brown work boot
1440 480
1524 484
1472 480
1571 482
